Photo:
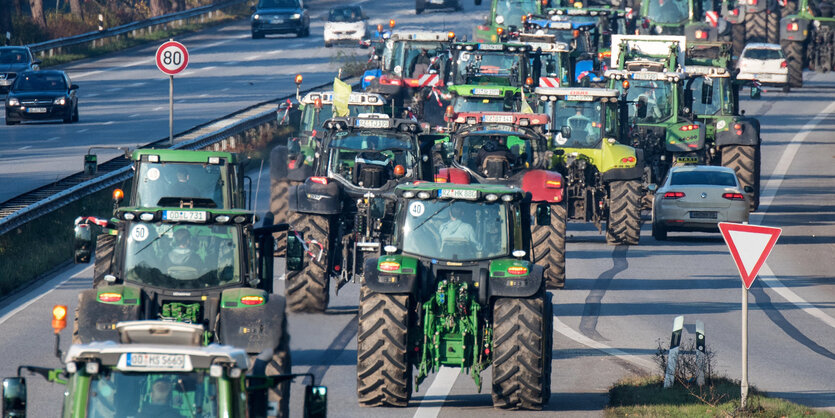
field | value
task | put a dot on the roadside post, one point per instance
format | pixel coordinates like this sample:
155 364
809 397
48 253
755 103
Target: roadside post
171 58
672 356
701 355
749 245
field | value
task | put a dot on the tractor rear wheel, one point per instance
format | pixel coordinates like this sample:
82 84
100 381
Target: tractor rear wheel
105 243
745 160
384 373
773 26
795 55
738 38
549 246
278 206
623 225
522 352
307 290
278 397
755 27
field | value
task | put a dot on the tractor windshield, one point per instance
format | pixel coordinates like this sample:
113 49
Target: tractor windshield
454 230
668 11
313 119
371 158
712 96
410 59
484 104
656 96
577 124
165 184
119 394
494 67
495 154
510 12
182 256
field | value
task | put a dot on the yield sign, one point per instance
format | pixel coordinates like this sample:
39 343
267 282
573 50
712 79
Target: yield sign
750 245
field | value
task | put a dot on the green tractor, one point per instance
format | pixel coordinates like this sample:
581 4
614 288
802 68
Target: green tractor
294 162
649 74
457 287
680 17
156 368
604 179
498 64
505 17
712 93
808 39
205 266
755 20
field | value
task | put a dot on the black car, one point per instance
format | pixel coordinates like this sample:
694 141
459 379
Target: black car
13 61
280 16
42 95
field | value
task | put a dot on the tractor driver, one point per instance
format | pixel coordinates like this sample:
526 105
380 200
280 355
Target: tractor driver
458 236
159 405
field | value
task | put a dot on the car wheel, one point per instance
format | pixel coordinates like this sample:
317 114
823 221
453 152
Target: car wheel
659 232
786 88
328 44
257 35
68 118
75 114
12 122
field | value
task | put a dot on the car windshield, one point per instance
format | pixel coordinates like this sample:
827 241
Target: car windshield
278 4
712 96
345 14
484 104
13 56
495 154
667 11
657 96
182 256
583 120
703 177
165 184
369 158
40 82
410 59
457 230
478 67
116 394
763 54
315 120
512 11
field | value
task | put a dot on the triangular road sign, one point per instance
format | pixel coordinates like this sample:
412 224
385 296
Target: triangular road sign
750 245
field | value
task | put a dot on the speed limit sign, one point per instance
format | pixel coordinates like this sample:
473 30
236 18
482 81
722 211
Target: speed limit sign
172 57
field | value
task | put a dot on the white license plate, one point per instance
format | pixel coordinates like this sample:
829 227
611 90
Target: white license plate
498 118
487 92
36 110
561 25
643 76
6 82
458 194
373 123
184 215
277 21
436 1
703 215
156 361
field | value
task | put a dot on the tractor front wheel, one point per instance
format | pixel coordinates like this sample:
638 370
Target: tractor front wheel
745 160
795 54
623 225
548 245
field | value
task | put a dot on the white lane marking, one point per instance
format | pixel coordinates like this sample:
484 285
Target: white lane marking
767 197
225 89
159 108
114 89
135 115
211 67
110 122
81 131
438 391
139 84
567 331
88 95
204 95
26 147
35 295
53 138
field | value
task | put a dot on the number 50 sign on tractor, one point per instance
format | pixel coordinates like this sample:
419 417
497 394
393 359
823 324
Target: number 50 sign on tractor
172 57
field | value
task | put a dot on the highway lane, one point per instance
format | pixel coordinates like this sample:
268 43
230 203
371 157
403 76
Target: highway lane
618 304
124 97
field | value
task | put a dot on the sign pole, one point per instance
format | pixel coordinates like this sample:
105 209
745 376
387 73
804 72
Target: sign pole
170 110
744 384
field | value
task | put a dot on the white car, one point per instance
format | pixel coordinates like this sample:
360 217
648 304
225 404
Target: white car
764 63
345 24
697 198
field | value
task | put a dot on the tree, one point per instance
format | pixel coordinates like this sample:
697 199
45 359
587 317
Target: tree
157 7
36 6
5 20
75 9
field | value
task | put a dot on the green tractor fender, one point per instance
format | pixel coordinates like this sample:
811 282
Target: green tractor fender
313 196
685 137
514 278
100 309
393 273
251 319
737 130
794 28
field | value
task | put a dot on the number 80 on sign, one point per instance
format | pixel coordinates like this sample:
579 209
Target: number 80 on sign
172 57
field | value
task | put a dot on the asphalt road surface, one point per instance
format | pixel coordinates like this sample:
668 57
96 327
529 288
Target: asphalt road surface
619 301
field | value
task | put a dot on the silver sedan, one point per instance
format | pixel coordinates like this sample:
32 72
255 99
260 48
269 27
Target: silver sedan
697 198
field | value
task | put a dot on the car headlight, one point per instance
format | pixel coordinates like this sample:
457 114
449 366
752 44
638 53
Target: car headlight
60 101
13 102
256 16
499 19
296 16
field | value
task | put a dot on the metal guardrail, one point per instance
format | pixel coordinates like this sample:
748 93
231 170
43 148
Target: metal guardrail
60 195
130 27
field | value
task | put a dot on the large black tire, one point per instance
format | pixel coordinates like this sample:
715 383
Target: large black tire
549 246
795 54
384 374
522 352
773 26
623 225
745 160
105 243
755 27
279 364
659 232
257 35
307 290
738 38
420 6
278 206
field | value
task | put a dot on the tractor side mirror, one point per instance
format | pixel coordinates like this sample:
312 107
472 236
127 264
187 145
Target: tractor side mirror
83 244
295 252
707 93
641 108
543 214
565 131
755 92
252 9
315 401
652 187
14 397
377 208
748 189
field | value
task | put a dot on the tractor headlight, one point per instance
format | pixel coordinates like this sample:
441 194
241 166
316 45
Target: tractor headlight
499 19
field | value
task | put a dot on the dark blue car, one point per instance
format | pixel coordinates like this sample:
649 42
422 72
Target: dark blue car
280 16
13 61
42 95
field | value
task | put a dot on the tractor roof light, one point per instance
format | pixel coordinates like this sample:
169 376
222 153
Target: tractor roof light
298 79
118 195
59 318
450 35
391 23
491 197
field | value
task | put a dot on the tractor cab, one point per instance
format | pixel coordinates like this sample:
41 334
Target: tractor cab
504 64
580 117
